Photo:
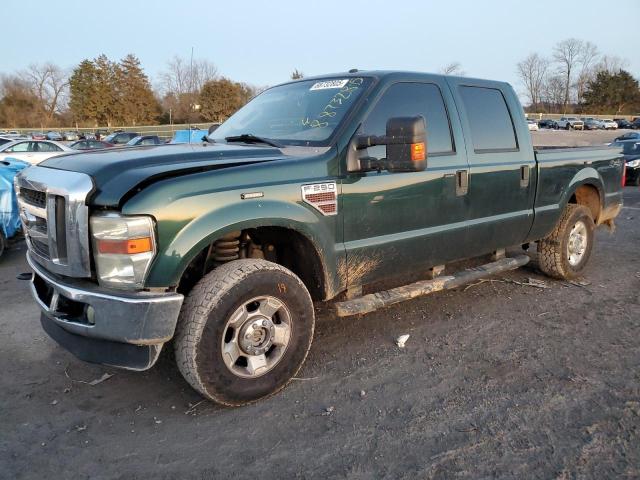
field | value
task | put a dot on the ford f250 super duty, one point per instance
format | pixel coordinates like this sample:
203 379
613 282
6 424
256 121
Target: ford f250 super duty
312 190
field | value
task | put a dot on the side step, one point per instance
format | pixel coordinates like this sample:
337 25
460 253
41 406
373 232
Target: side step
375 301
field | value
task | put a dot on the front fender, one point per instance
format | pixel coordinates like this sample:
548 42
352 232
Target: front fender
177 248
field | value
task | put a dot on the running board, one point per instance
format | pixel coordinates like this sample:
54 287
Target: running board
374 301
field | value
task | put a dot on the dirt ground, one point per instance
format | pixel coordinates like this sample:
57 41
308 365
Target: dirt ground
496 380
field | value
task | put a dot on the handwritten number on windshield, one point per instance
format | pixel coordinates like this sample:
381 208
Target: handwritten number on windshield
334 104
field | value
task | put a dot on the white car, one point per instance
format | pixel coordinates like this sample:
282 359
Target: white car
609 124
570 123
533 125
33 151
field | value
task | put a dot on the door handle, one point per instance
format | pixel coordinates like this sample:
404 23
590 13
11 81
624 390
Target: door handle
462 182
524 176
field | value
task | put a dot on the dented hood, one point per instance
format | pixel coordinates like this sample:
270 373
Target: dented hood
117 171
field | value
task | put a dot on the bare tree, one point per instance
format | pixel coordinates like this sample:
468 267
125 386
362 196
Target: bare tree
553 92
297 75
453 68
49 83
567 54
587 58
533 71
181 76
181 84
611 64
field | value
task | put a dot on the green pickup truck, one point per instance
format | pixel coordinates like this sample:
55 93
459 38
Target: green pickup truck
314 189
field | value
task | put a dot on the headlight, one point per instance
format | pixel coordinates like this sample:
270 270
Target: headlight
123 247
634 163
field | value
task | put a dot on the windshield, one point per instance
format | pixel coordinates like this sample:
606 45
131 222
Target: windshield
301 113
134 140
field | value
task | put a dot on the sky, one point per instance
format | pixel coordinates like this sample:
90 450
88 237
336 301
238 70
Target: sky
261 43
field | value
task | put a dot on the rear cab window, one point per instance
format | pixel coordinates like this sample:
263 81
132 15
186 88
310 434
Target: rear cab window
490 120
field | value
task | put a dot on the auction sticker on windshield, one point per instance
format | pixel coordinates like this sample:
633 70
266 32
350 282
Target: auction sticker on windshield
328 84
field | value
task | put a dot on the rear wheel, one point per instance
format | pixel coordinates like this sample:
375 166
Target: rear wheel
565 253
244 331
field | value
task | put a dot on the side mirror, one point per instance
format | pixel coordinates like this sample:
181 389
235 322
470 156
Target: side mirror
406 141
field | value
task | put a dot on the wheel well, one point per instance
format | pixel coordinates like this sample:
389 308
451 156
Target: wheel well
280 245
588 196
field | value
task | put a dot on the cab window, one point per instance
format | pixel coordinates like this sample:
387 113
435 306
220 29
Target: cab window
411 99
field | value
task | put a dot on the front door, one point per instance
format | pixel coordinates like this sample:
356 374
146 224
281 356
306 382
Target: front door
400 222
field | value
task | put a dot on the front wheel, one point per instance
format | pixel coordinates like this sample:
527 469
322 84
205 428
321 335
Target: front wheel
565 253
244 331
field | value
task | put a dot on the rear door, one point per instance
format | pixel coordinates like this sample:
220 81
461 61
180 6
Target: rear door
396 223
502 167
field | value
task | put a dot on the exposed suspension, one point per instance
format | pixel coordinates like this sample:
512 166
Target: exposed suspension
227 248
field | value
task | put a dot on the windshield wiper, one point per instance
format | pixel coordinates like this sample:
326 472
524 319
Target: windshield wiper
251 138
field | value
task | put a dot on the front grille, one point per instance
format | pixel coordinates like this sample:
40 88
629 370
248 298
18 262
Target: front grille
34 197
55 218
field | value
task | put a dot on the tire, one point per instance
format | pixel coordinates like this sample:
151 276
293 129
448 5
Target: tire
555 251
208 327
568 127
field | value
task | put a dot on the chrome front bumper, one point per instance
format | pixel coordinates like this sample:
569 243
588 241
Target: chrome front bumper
124 330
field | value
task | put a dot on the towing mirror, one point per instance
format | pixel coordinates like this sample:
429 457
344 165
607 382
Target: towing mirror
406 141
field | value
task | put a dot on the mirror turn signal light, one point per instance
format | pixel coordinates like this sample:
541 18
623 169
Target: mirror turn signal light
417 152
125 247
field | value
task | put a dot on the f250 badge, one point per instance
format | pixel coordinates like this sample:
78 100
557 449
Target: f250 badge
322 196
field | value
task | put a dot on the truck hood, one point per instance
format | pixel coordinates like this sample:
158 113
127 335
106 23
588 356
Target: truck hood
117 171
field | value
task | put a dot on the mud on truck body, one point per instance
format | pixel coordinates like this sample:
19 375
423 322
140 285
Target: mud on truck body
313 189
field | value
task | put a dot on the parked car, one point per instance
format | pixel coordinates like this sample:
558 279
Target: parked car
100 134
144 140
623 123
9 212
609 124
38 136
70 136
631 153
628 136
55 136
635 124
4 140
217 249
33 151
591 124
189 136
90 145
532 125
548 123
120 138
570 123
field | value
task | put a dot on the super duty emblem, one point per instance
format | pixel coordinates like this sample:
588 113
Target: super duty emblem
322 196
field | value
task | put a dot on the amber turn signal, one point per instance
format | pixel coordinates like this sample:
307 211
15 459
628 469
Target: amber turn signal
125 247
417 152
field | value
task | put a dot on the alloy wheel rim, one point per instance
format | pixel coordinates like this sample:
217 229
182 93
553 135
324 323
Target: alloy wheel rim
256 336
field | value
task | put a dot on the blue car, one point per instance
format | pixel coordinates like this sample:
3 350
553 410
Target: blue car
9 214
189 136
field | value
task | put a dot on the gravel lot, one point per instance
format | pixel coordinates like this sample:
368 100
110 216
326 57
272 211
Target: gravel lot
496 380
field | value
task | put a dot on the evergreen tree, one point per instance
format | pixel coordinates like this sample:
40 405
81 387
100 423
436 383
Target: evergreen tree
82 102
137 103
612 93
